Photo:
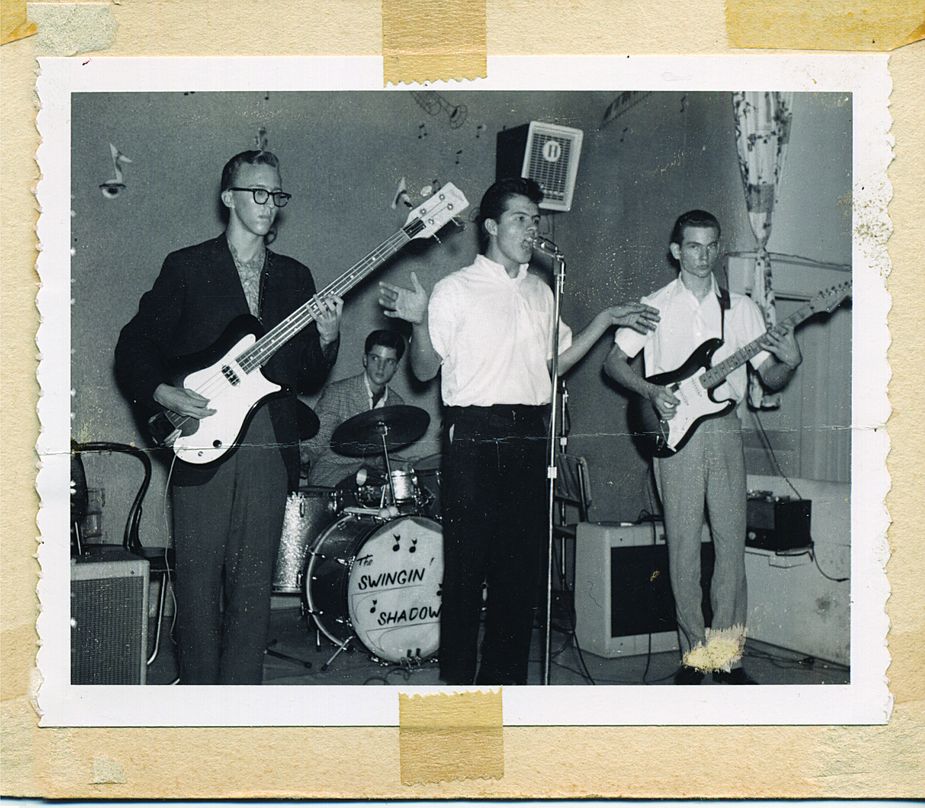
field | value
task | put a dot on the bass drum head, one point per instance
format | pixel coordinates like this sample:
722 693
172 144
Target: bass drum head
394 589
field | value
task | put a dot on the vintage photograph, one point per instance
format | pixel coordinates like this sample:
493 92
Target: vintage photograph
436 388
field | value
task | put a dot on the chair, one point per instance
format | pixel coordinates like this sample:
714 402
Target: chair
161 562
573 493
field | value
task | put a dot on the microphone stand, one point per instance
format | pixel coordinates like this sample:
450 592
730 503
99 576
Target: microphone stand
558 269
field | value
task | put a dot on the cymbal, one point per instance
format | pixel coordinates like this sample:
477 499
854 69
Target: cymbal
362 434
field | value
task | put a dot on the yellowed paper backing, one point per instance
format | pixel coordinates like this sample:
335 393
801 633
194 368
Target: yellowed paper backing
366 762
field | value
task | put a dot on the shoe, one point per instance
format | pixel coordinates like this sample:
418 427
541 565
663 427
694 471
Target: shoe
737 676
688 676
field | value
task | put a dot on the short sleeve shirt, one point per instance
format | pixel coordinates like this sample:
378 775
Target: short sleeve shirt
494 335
686 323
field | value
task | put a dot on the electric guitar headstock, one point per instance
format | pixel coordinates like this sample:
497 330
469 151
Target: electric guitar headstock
434 212
830 299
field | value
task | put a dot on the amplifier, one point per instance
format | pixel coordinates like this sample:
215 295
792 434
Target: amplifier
777 523
623 600
109 618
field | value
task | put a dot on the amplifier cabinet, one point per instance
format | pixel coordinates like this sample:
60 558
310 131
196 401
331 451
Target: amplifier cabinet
109 619
778 523
623 600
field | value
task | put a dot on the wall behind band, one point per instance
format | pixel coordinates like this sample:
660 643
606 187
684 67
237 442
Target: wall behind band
342 157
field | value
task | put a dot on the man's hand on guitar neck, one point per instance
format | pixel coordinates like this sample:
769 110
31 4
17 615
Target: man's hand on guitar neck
182 401
327 318
786 357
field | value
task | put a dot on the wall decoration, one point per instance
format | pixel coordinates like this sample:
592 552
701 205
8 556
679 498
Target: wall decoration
622 104
261 141
115 186
433 104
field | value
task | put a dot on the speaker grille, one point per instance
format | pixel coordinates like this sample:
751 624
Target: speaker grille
109 610
546 153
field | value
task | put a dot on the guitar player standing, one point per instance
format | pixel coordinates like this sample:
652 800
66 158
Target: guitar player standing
227 515
707 475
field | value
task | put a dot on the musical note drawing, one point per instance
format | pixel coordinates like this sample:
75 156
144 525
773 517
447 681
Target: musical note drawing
422 131
433 104
373 609
479 129
112 188
459 152
623 133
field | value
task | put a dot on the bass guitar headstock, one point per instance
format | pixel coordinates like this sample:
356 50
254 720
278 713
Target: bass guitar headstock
436 211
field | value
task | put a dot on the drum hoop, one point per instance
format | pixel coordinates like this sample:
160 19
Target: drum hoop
344 583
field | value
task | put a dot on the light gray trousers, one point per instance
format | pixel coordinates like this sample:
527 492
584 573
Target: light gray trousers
706 479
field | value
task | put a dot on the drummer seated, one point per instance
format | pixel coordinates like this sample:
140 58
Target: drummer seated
343 399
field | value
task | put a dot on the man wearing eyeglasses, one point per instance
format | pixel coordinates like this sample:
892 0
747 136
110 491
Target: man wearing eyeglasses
343 399
227 516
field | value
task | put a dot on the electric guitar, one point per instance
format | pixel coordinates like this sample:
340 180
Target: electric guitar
229 373
694 381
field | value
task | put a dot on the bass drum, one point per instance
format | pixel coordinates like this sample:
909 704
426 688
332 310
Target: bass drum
379 582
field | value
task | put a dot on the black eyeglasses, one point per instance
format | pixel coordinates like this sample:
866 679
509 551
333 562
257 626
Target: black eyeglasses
262 196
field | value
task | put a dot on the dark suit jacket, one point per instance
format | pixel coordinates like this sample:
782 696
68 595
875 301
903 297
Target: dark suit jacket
341 400
197 294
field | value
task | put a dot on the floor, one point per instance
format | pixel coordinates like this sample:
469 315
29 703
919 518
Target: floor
305 656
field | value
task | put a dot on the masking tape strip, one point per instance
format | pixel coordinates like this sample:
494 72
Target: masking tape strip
451 736
66 29
14 24
851 25
430 41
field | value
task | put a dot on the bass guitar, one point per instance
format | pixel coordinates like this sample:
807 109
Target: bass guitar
695 380
229 373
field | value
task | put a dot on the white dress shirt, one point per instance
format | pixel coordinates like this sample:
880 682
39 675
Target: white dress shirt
494 335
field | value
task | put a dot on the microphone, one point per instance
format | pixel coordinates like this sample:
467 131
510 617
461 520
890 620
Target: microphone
544 245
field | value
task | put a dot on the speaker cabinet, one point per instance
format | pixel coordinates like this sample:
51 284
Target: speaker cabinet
543 152
623 600
109 619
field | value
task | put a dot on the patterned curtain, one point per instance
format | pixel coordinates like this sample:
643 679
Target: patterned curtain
762 122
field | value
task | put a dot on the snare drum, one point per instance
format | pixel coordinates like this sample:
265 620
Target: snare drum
308 512
379 582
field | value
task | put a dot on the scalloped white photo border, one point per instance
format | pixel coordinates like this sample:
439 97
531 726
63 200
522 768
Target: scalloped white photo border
866 700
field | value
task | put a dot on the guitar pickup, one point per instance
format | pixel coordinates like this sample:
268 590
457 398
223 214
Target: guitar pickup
229 374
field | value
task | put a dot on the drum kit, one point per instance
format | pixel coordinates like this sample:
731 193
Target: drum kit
370 574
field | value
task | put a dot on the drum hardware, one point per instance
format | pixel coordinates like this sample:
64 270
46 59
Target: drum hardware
382 429
340 649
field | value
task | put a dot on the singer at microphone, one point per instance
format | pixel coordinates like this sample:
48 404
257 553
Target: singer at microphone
495 384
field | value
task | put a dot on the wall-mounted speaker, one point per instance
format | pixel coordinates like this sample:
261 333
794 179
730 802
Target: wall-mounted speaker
623 600
544 152
109 619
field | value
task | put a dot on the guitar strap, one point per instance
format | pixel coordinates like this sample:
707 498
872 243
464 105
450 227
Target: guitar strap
723 308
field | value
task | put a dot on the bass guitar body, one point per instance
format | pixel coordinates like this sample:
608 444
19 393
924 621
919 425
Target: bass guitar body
232 391
663 438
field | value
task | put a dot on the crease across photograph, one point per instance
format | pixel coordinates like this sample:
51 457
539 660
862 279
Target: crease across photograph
569 382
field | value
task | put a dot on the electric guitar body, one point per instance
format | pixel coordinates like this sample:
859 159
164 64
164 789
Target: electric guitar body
233 393
664 438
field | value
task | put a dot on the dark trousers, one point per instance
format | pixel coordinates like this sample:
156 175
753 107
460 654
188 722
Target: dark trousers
493 528
226 534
